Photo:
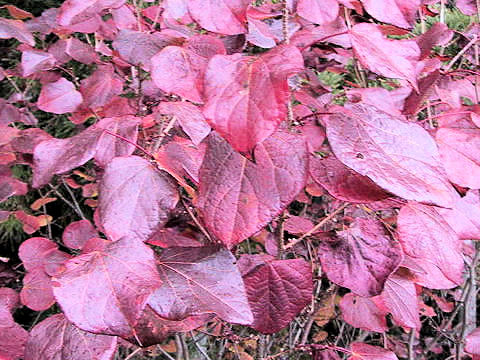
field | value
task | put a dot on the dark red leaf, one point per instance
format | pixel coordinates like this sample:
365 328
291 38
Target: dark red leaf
200 281
390 58
238 197
318 11
438 34
15 29
363 313
398 156
277 290
362 351
221 16
342 182
135 198
309 35
56 338
173 237
246 101
360 258
100 87
12 336
77 233
59 97
297 225
426 236
105 291
28 139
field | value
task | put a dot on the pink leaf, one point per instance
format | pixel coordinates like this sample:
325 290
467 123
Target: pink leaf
297 225
460 150
464 218
398 156
76 11
190 118
77 233
399 298
318 11
57 338
59 97
135 198
396 12
334 32
105 291
199 281
468 7
12 336
246 101
390 58
426 236
237 197
36 60
361 351
342 182
472 342
277 290
101 87
15 29
361 257
221 16
37 291
363 313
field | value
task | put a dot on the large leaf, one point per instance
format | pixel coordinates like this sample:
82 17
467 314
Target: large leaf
400 299
221 16
238 197
277 290
106 290
398 156
200 280
396 12
56 338
135 198
318 11
12 335
390 58
15 29
460 150
361 257
426 236
342 182
75 11
59 97
247 100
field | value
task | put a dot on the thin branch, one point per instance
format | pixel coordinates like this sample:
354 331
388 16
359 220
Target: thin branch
195 220
411 339
130 142
199 348
69 203
461 52
316 227
72 195
133 353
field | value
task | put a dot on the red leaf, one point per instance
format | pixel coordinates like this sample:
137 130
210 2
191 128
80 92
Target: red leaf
173 237
318 11
438 34
237 197
135 198
34 60
28 139
472 342
33 252
221 16
390 58
17 13
101 87
37 291
399 298
57 338
361 312
77 233
76 11
59 97
460 150
106 290
246 101
361 351
426 236
297 225
277 290
200 281
190 118
396 12
361 257
309 35
12 336
10 186
139 47
398 156
342 182
15 29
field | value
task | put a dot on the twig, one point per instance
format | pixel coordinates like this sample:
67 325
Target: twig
72 195
199 348
411 339
65 200
44 210
169 357
195 220
316 227
178 343
164 133
461 52
133 353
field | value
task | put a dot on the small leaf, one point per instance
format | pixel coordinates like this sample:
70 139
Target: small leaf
361 351
15 29
363 313
77 233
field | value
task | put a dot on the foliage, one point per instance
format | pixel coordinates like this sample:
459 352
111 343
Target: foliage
235 179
